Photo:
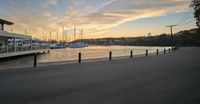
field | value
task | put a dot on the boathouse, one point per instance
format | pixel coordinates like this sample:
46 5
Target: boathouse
13 44
8 41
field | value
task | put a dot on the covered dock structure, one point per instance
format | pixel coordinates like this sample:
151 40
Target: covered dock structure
13 44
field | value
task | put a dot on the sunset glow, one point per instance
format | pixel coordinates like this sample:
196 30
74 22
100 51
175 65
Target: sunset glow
97 18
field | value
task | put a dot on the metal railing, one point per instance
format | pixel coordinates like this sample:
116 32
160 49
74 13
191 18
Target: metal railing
20 49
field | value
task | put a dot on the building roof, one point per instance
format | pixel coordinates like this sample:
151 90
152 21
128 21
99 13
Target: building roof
13 35
5 22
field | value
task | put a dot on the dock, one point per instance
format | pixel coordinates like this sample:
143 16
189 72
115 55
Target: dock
165 79
21 53
14 44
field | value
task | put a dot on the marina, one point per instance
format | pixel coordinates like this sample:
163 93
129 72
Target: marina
18 45
99 51
89 54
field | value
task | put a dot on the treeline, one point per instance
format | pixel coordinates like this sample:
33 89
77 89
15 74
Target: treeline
183 38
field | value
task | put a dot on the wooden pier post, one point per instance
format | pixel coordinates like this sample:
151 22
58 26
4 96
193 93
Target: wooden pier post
110 55
131 54
147 52
35 60
164 51
79 57
157 52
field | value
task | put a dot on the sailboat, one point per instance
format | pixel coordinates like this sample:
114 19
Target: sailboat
57 45
79 44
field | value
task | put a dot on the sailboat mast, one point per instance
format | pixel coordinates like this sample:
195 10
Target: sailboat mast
63 32
74 33
50 37
57 35
81 34
66 35
43 37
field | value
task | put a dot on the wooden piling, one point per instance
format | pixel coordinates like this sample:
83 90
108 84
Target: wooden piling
110 55
157 52
35 60
164 51
147 52
79 57
131 54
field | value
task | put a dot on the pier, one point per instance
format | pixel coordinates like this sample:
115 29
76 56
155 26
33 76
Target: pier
21 53
13 44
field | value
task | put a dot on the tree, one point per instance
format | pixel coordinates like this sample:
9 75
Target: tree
196 5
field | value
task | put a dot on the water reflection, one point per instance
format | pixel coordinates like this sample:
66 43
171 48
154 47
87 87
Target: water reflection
87 53
94 52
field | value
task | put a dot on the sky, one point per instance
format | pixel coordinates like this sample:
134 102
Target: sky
97 18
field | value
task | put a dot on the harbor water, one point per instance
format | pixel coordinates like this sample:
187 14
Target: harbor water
91 52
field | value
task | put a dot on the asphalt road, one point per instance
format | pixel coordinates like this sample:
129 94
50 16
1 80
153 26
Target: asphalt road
166 79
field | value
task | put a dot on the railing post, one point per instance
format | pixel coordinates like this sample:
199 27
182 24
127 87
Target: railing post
173 49
131 54
157 52
35 60
169 50
164 51
79 57
147 52
110 55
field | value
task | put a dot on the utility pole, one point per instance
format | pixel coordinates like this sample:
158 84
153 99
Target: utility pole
171 29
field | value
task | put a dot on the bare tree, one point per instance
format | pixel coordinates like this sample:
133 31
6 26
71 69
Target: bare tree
196 5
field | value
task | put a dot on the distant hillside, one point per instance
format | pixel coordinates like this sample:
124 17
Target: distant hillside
182 38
